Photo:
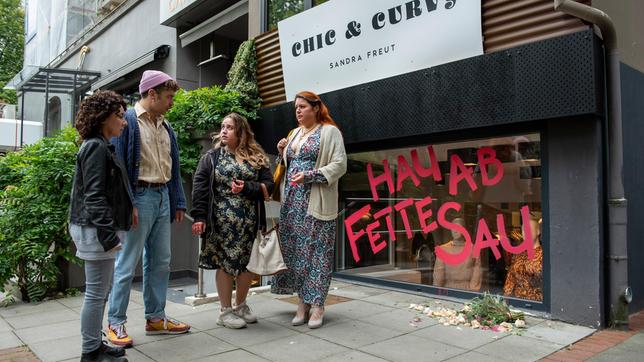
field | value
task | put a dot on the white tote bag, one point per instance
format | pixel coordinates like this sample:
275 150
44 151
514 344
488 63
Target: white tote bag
266 255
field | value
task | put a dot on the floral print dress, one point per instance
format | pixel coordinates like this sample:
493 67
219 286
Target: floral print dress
306 242
234 219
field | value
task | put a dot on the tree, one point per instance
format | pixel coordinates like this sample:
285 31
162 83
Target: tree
12 44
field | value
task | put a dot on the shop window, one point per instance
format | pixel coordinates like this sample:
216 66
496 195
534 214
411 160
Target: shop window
470 220
278 10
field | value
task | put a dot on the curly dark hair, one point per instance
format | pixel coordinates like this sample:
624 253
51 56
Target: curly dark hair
95 109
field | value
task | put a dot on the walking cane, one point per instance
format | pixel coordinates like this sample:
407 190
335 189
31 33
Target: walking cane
200 293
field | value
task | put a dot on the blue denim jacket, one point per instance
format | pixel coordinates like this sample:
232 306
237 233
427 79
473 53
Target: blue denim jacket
128 148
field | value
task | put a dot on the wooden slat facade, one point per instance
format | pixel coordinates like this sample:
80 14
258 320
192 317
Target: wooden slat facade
506 24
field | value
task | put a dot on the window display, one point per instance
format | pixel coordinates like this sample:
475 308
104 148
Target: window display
451 215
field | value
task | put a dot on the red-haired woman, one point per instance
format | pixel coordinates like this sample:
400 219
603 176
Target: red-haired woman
315 160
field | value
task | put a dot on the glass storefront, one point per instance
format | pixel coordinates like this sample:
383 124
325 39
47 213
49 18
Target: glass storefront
462 215
278 10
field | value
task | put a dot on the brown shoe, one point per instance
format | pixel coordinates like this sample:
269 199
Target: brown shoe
165 326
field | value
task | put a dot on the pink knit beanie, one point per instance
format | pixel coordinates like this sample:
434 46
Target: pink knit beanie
151 79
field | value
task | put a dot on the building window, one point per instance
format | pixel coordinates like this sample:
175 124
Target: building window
53 115
470 221
277 10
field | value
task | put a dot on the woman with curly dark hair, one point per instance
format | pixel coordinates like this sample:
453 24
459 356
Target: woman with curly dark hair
101 209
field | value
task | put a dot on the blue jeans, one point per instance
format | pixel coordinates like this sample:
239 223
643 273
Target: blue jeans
152 238
98 282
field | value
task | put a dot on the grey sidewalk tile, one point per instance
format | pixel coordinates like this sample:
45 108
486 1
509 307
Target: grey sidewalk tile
71 302
4 326
339 284
175 310
9 340
132 307
396 299
238 355
356 356
201 321
354 334
57 349
300 347
400 320
558 332
412 348
272 307
137 332
357 291
42 318
256 333
185 347
20 308
473 357
462 337
356 309
133 355
284 319
50 331
519 348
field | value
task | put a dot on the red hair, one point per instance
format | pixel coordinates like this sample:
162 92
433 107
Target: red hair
313 99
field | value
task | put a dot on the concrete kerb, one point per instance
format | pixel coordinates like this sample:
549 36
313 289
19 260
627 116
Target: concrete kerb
214 297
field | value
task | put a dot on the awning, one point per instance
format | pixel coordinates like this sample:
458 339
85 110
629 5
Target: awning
56 80
159 53
226 16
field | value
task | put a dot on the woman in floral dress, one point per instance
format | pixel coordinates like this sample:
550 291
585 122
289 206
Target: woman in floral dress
315 160
228 209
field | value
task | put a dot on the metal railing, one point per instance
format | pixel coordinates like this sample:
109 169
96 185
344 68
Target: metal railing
200 293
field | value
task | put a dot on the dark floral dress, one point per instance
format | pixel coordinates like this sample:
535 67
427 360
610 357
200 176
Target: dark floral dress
306 242
234 219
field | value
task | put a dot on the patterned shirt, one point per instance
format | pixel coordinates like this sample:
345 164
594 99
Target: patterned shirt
525 278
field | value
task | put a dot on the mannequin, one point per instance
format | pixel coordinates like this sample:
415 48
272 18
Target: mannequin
525 277
468 275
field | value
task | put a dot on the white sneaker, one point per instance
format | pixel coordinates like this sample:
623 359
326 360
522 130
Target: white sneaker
243 311
227 318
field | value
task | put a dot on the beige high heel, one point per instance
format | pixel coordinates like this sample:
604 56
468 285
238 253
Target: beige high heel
298 321
316 322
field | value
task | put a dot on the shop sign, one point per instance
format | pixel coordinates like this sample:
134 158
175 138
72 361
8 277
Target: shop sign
344 43
410 168
171 8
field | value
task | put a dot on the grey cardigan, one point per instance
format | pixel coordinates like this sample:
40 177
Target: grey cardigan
332 163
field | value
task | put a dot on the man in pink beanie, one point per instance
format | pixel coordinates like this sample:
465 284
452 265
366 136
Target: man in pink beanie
148 148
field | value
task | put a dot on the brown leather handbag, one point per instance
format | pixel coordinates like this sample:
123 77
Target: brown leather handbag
279 173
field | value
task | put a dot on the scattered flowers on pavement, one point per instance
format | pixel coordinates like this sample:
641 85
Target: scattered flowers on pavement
486 313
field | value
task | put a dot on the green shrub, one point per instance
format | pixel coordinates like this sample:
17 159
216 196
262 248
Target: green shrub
35 186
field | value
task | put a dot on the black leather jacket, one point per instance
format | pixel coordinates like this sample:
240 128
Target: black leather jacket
101 196
203 184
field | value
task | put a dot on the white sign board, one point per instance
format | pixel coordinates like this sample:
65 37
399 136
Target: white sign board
343 43
170 8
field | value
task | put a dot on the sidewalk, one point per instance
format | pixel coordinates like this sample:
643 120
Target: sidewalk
361 324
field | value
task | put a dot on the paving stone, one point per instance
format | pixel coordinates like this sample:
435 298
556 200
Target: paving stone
558 332
354 333
473 356
356 309
400 320
356 356
519 348
175 310
42 318
271 308
71 302
185 347
9 340
459 336
357 291
137 332
396 299
299 347
4 326
412 348
238 355
256 333
57 349
50 331
29 308
201 321
284 319
134 355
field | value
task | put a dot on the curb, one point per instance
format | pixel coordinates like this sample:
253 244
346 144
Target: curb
214 297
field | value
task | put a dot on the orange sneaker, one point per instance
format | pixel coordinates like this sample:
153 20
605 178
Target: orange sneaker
118 336
165 326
